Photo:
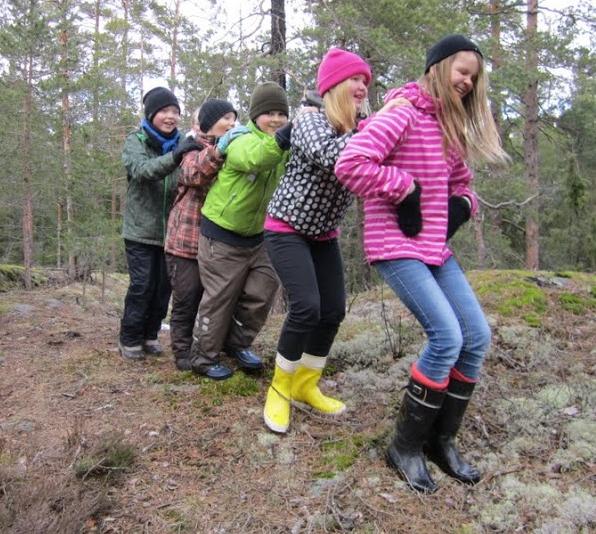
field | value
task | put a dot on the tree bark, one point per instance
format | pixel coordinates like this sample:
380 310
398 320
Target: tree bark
278 40
67 151
531 139
174 51
27 207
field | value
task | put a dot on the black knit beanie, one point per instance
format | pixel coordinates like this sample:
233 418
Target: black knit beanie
452 44
158 98
213 110
268 96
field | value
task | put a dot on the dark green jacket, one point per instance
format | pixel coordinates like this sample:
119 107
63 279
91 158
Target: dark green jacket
238 198
152 181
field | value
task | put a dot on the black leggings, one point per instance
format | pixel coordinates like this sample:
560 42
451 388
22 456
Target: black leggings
312 275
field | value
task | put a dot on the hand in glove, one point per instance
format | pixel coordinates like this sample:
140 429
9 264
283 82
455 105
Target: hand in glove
409 215
459 213
283 136
229 136
186 145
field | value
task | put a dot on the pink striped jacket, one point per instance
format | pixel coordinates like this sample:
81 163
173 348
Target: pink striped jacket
379 164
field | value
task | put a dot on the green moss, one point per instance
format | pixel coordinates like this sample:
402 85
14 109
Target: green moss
532 319
339 455
577 304
12 276
239 384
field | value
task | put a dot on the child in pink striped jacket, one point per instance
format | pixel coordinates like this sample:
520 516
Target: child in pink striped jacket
409 165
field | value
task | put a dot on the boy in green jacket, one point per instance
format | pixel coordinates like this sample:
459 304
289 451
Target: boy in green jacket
151 156
238 279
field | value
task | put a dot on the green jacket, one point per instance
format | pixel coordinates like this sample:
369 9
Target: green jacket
152 181
237 201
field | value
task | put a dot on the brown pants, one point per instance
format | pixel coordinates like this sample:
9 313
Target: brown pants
186 295
239 287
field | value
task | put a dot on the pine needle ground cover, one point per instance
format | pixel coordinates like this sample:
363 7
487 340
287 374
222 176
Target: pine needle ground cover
92 443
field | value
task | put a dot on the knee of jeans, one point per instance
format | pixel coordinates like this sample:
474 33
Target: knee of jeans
448 343
478 339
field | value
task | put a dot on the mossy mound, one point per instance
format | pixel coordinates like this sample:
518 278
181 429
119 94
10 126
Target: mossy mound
13 276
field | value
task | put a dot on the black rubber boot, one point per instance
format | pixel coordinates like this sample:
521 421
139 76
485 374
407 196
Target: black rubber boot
414 423
442 449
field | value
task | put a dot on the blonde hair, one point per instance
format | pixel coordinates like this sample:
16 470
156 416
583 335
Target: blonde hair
340 108
468 124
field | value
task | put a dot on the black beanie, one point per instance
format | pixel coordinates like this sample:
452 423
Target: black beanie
452 44
158 98
268 96
213 110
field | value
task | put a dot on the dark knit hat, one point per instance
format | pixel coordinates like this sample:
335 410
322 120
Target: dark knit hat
452 44
268 96
158 98
213 110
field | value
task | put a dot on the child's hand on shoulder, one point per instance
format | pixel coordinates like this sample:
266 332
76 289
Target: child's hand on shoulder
394 103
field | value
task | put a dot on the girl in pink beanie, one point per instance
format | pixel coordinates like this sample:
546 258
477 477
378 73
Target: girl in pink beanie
301 235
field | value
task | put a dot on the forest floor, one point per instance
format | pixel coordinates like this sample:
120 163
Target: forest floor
92 443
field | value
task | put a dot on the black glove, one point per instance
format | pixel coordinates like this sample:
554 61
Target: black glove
459 213
409 216
187 145
283 135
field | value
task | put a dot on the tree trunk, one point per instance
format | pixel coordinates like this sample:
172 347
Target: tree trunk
174 52
496 53
278 40
531 139
67 152
27 208
59 217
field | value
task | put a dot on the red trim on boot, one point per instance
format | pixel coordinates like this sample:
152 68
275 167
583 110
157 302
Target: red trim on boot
457 375
425 381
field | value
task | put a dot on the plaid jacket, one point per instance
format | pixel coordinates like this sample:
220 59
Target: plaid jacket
198 171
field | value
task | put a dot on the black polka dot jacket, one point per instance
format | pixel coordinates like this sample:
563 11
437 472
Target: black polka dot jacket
309 198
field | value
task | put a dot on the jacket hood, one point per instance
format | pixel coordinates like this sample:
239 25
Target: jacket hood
415 94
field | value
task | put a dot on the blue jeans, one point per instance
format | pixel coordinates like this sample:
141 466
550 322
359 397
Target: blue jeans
442 300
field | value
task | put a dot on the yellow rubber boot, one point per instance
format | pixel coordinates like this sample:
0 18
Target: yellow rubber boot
277 405
305 387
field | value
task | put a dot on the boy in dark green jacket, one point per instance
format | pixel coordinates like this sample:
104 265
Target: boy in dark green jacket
151 156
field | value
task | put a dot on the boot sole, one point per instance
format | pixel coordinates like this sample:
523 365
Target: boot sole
443 466
395 466
274 427
309 408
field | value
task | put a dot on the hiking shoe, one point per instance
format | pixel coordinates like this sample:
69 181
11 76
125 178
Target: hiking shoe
183 364
247 359
152 347
131 353
215 371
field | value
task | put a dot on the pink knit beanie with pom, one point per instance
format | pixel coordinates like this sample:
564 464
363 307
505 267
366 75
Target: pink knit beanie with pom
339 65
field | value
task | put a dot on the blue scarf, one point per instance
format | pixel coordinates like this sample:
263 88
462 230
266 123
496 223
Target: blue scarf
167 143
